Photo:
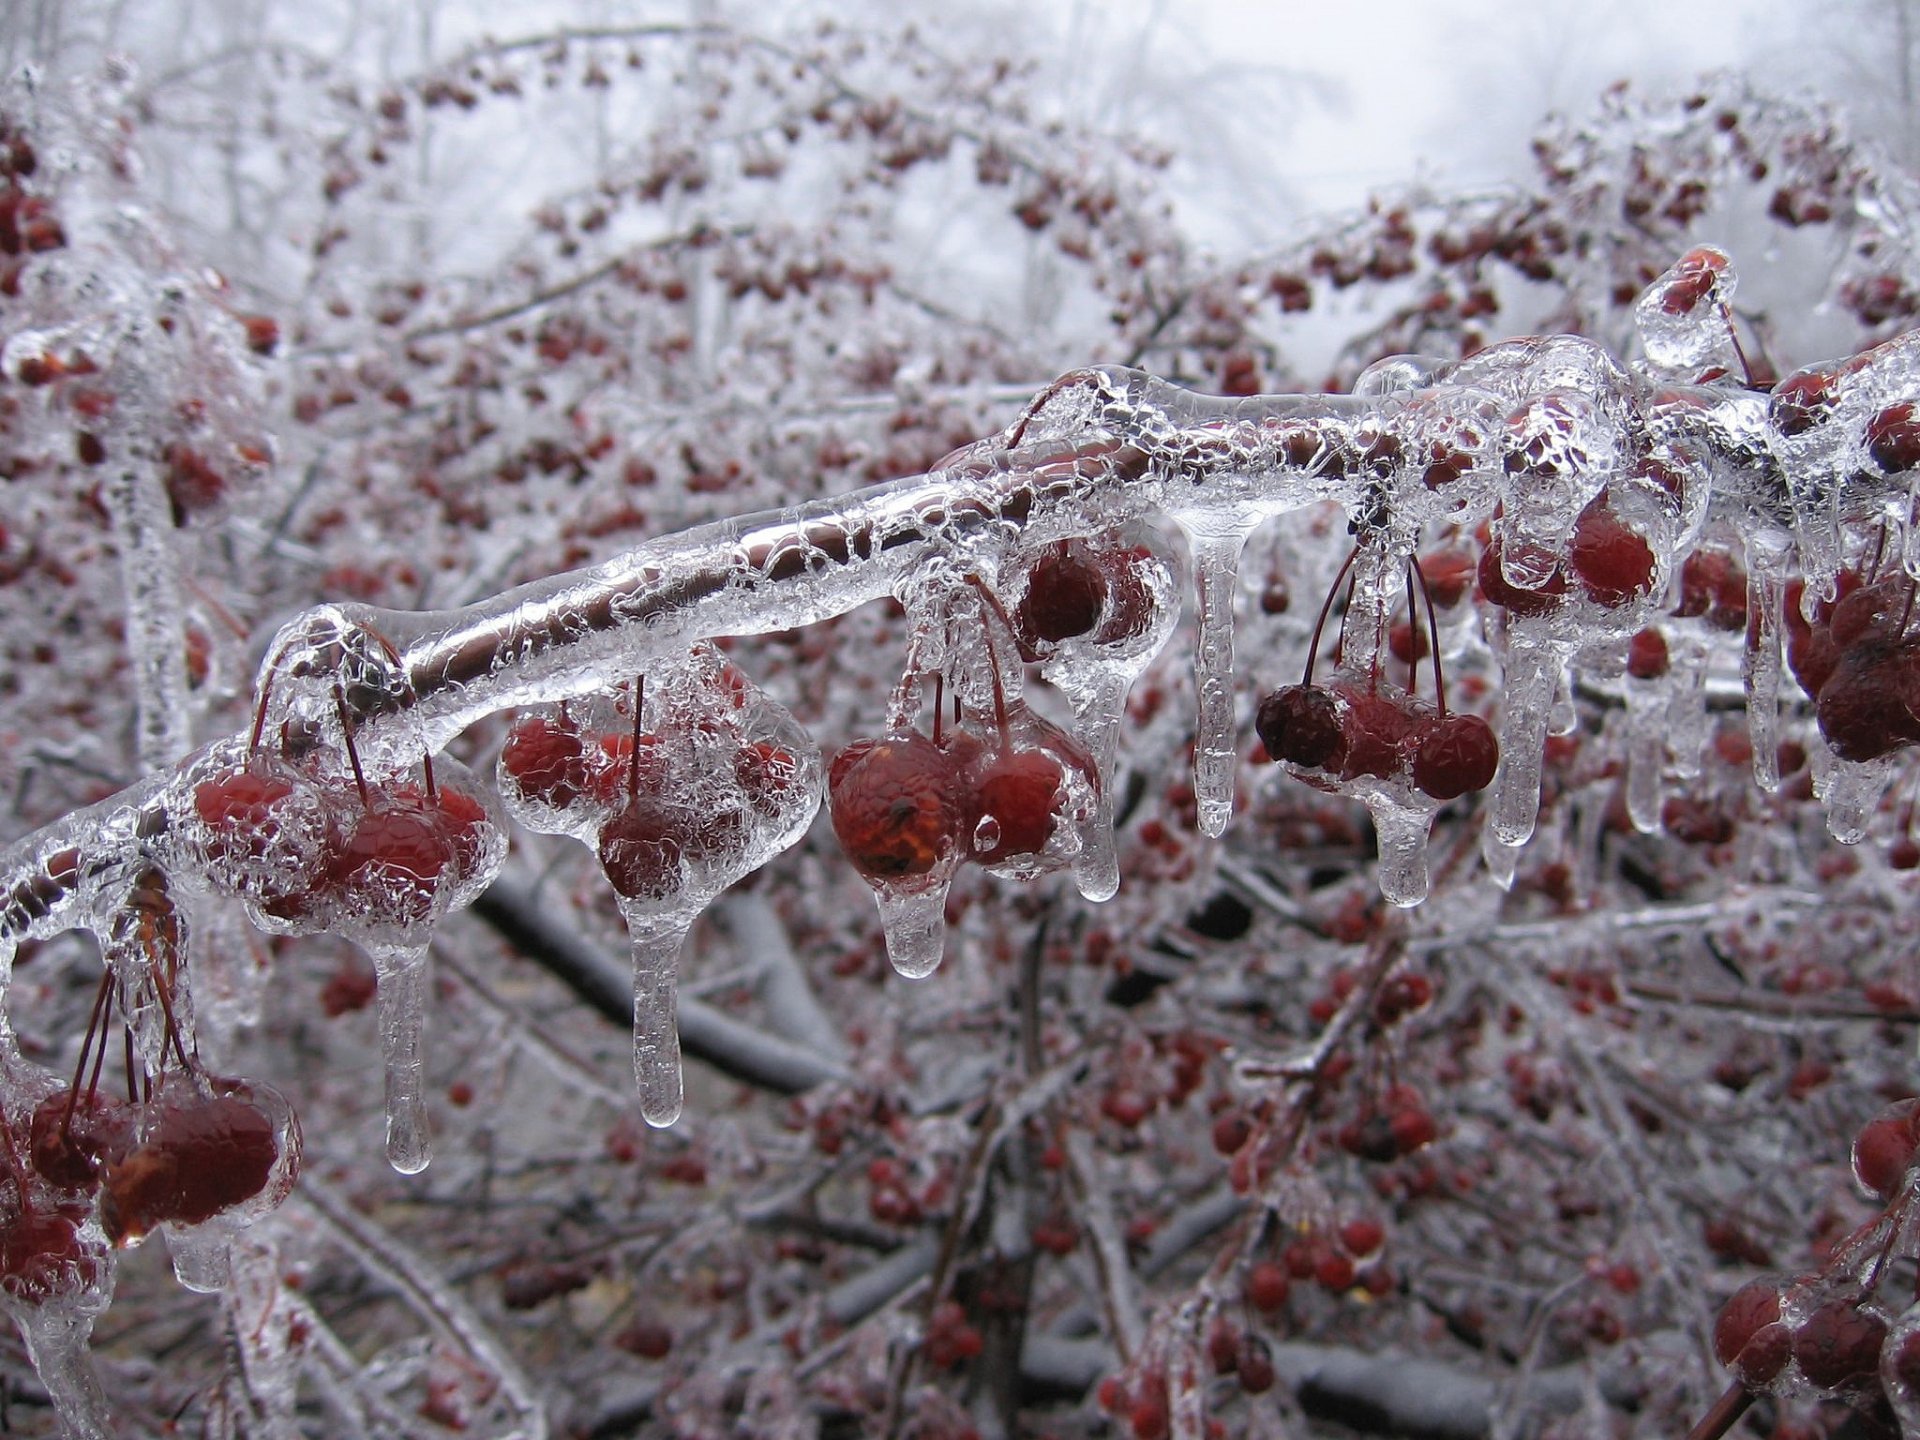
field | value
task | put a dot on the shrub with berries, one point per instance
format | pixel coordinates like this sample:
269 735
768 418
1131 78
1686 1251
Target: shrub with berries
1380 902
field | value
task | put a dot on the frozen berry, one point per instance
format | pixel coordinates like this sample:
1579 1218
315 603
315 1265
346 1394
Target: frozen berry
545 761
1300 724
1614 564
1458 754
1839 1344
1884 1150
897 806
1065 595
1749 1338
1647 657
200 1156
1893 437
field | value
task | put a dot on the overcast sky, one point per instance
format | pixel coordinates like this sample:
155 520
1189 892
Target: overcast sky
1336 100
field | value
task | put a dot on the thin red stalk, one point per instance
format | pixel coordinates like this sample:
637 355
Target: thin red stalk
353 755
1326 609
1433 635
633 760
86 1047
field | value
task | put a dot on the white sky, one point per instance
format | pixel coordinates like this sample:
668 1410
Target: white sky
1441 89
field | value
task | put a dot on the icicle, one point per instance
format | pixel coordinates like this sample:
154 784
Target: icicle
1502 859
1216 560
915 922
262 1329
1532 672
1687 723
1646 758
57 1336
199 1255
1852 794
402 999
1402 832
657 939
1099 705
1760 666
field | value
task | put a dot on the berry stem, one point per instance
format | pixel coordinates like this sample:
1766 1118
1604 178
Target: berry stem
1433 633
633 760
991 602
1326 608
353 755
87 1044
1728 1409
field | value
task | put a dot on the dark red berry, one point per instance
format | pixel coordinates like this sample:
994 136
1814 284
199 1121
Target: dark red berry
1254 1365
897 806
71 1139
1647 657
1884 1150
1268 1286
1893 437
1749 1338
1066 593
1458 754
1543 599
1300 724
547 762
646 1338
1690 281
201 1156
43 1257
1614 565
1839 1343
1803 400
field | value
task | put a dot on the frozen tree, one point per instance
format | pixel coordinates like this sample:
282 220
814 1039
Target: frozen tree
677 804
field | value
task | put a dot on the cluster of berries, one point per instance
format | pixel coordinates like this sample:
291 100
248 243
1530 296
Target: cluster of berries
1859 658
909 808
678 808
1362 725
307 851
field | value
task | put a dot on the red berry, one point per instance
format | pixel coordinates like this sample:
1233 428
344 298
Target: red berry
1543 599
1861 711
1647 657
1231 1130
201 1156
1016 799
1893 437
1839 1343
644 845
1691 281
1884 1150
1803 400
237 808
1254 1365
646 1338
1267 1287
897 806
1714 584
1334 1271
767 775
546 761
1362 1237
1300 724
1614 565
1377 728
71 1139
1458 754
1749 1338
1066 593
394 860
44 1258
1223 1348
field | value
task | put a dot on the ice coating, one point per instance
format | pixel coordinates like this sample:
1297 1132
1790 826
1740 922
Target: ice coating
1216 559
1684 318
401 998
657 940
685 781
